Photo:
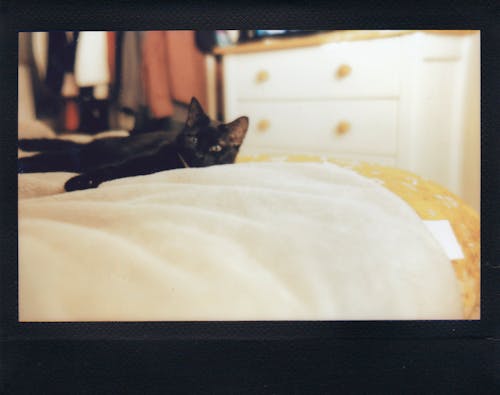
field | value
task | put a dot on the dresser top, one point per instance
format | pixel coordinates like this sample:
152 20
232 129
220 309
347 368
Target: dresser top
275 43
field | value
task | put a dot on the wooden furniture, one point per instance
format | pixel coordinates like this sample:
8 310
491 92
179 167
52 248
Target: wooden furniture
408 99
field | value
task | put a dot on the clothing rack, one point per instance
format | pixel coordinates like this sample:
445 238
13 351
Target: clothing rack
95 81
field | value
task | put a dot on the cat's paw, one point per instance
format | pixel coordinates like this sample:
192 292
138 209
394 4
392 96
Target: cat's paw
80 182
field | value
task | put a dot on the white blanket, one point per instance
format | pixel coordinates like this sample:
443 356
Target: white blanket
254 241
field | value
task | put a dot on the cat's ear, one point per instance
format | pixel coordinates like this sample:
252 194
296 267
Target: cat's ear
195 113
237 131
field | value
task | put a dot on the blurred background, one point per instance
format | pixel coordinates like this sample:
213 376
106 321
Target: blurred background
95 81
405 99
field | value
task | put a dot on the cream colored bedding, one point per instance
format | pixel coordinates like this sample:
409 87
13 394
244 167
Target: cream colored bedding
249 241
258 241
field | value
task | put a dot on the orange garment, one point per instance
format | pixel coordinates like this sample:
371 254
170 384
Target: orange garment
111 38
71 115
172 68
155 76
186 67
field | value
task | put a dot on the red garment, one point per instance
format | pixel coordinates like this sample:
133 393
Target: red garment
155 76
172 68
71 115
187 73
111 37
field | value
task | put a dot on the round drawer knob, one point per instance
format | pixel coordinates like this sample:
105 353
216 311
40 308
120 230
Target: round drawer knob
343 71
262 76
343 127
263 125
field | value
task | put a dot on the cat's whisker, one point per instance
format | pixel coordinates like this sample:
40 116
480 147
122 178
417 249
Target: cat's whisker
182 160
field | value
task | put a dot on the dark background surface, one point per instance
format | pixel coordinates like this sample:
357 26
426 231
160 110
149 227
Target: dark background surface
263 357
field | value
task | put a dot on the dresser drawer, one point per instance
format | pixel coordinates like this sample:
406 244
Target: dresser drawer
360 69
350 127
334 70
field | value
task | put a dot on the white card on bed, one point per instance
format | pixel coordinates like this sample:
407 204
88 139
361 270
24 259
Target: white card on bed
444 234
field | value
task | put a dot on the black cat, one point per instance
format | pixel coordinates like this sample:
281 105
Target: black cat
202 142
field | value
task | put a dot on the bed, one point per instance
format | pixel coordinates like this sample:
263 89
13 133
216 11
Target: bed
290 237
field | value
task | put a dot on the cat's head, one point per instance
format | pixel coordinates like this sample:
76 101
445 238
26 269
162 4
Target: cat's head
205 142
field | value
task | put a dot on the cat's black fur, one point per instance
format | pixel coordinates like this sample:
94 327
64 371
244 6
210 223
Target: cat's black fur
202 142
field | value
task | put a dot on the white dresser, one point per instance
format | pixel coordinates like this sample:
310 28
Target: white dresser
398 98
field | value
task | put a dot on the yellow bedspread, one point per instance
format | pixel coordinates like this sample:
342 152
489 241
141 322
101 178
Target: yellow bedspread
431 202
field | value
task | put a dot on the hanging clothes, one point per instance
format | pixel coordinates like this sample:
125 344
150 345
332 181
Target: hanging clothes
70 92
56 65
205 40
70 89
61 58
92 74
71 116
109 74
40 48
45 101
59 79
25 97
114 62
131 95
111 48
154 65
186 67
70 51
91 63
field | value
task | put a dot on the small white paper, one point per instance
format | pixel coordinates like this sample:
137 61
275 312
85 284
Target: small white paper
444 234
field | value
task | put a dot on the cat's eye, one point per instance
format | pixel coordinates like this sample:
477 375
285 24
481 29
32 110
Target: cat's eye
215 148
192 139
